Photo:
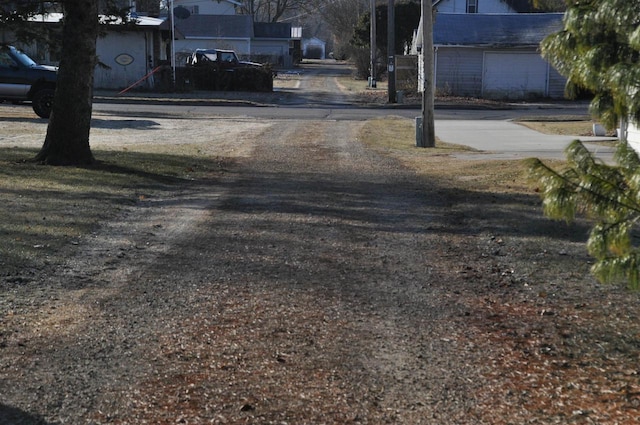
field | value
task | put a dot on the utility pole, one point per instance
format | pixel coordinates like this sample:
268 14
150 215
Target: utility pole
372 80
172 17
427 136
391 50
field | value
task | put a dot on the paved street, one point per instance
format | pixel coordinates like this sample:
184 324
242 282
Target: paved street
491 131
508 140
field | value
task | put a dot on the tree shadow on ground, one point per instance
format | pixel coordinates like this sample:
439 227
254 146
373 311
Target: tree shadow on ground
129 124
14 416
407 206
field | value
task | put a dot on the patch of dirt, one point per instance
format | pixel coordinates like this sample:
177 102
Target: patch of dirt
318 280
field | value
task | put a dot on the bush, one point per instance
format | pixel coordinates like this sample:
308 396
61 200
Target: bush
239 79
361 57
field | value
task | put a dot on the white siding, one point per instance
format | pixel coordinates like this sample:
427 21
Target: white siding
458 71
633 136
133 43
484 6
514 75
557 84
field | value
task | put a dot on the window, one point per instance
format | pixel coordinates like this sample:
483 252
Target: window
6 61
472 6
195 10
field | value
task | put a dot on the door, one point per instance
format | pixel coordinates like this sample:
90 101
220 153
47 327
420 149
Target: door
514 75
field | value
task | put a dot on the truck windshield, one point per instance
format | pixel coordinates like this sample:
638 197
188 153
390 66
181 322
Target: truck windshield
23 58
227 57
210 56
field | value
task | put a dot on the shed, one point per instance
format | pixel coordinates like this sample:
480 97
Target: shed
232 32
495 55
314 48
260 41
127 53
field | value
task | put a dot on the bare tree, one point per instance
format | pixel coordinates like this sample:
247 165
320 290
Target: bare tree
342 16
275 10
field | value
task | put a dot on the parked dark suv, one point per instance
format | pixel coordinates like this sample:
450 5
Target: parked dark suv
23 79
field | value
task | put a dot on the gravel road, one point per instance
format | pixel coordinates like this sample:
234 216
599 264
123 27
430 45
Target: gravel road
296 288
314 281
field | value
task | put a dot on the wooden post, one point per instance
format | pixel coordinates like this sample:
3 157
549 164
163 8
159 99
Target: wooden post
428 139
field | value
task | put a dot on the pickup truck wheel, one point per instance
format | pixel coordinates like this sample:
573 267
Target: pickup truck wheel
43 102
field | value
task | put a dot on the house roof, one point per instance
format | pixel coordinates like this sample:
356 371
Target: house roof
213 26
520 6
505 30
272 30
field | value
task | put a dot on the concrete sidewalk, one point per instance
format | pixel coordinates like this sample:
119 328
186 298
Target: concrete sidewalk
507 140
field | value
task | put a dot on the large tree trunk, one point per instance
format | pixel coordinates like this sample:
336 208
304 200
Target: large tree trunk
67 140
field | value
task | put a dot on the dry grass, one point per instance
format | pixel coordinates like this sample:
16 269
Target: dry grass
47 209
396 136
565 128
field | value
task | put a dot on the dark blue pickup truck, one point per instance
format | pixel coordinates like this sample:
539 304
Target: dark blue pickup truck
21 79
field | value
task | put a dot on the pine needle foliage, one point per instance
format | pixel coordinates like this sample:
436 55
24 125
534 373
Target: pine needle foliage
610 195
599 50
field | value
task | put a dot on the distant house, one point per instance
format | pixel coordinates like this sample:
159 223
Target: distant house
260 41
274 42
482 6
125 53
314 48
472 6
232 32
495 55
129 54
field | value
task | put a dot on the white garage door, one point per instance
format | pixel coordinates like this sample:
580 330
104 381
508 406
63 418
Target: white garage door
514 75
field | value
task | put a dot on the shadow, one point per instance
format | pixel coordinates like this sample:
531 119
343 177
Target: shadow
112 168
131 124
134 166
409 206
35 119
14 416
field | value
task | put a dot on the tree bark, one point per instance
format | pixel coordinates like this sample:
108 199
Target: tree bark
67 139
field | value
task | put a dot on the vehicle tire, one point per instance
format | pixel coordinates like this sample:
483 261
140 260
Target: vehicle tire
43 102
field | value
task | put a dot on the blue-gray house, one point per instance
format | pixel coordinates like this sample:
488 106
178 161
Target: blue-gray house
495 55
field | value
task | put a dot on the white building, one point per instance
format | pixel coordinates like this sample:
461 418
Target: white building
473 6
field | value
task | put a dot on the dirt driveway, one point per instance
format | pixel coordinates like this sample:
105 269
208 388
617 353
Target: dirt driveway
315 281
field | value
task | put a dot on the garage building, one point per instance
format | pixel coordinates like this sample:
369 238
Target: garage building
495 56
